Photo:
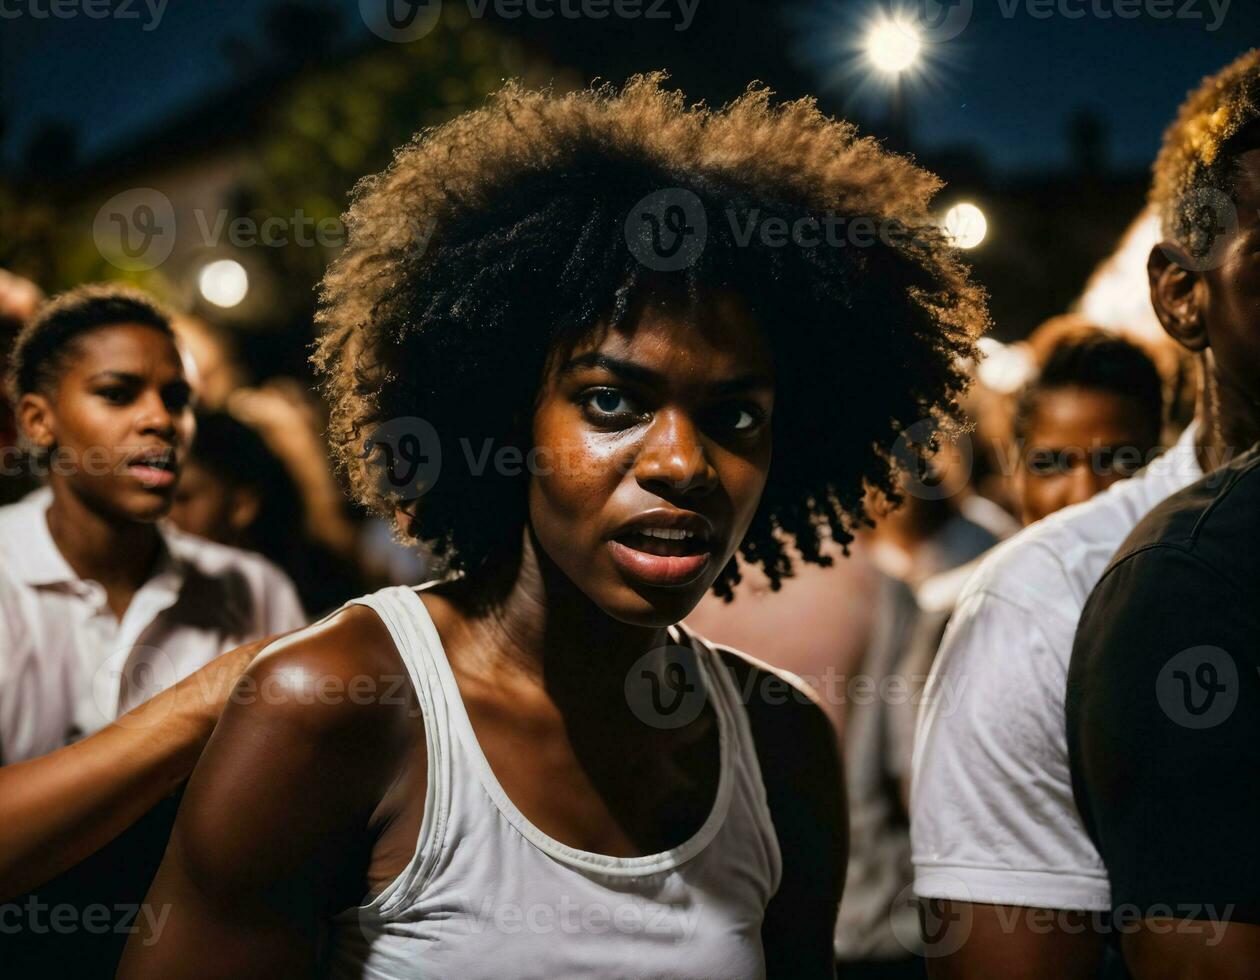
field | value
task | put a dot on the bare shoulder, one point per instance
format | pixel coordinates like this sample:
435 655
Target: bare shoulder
780 704
342 671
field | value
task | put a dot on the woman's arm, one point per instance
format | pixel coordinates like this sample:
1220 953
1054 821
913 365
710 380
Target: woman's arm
61 807
273 832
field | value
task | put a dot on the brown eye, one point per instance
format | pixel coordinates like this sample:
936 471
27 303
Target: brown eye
115 395
741 417
607 404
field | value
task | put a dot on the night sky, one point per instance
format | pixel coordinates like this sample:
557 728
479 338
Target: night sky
1007 85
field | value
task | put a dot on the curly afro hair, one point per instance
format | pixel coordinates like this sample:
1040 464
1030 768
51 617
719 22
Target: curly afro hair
522 206
1194 172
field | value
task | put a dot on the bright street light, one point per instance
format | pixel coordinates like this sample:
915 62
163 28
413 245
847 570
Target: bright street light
893 45
224 282
965 224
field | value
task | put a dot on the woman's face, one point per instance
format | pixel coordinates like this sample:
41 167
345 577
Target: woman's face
120 420
652 447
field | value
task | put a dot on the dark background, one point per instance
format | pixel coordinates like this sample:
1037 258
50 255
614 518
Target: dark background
264 107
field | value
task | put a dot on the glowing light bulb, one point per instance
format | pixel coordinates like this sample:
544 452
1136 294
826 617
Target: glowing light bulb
224 282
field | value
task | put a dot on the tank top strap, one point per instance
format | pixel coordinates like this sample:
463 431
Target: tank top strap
418 645
750 788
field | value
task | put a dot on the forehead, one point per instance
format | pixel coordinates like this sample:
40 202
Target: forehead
717 337
1074 413
129 348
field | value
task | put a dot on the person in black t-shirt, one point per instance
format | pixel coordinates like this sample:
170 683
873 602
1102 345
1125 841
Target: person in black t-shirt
1163 715
1163 698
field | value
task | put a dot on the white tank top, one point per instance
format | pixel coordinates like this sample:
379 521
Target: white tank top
488 894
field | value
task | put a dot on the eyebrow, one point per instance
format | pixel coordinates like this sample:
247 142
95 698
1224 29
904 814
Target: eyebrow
116 376
637 372
127 377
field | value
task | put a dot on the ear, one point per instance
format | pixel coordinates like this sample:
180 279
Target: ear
245 507
1178 295
35 416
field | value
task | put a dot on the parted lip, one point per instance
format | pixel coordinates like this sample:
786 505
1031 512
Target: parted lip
669 519
161 458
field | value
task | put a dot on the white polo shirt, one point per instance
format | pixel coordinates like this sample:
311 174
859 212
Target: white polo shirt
993 820
68 667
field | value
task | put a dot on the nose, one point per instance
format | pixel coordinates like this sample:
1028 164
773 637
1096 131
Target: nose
154 416
1083 482
673 458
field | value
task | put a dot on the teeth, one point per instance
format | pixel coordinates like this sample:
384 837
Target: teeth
669 534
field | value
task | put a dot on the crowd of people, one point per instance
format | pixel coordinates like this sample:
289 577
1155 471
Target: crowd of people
773 640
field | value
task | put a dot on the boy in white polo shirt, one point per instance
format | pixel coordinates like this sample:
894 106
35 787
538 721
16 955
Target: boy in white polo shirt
998 843
102 605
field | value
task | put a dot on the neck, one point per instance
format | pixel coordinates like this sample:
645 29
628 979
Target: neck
549 633
1229 416
118 553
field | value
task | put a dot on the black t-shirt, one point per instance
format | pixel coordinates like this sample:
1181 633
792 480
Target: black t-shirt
1163 707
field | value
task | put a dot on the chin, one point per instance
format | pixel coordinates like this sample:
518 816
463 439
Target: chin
654 608
144 506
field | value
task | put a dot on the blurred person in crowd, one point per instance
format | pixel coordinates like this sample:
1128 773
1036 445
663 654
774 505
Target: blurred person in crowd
843 629
1163 696
1009 870
516 772
19 299
214 352
235 491
1092 416
939 523
101 605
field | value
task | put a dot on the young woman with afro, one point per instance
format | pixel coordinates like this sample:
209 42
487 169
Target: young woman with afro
585 347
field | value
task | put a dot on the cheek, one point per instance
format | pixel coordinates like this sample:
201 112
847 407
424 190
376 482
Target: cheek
743 479
83 425
573 473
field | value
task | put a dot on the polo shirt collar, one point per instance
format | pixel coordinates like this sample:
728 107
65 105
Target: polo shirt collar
36 560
